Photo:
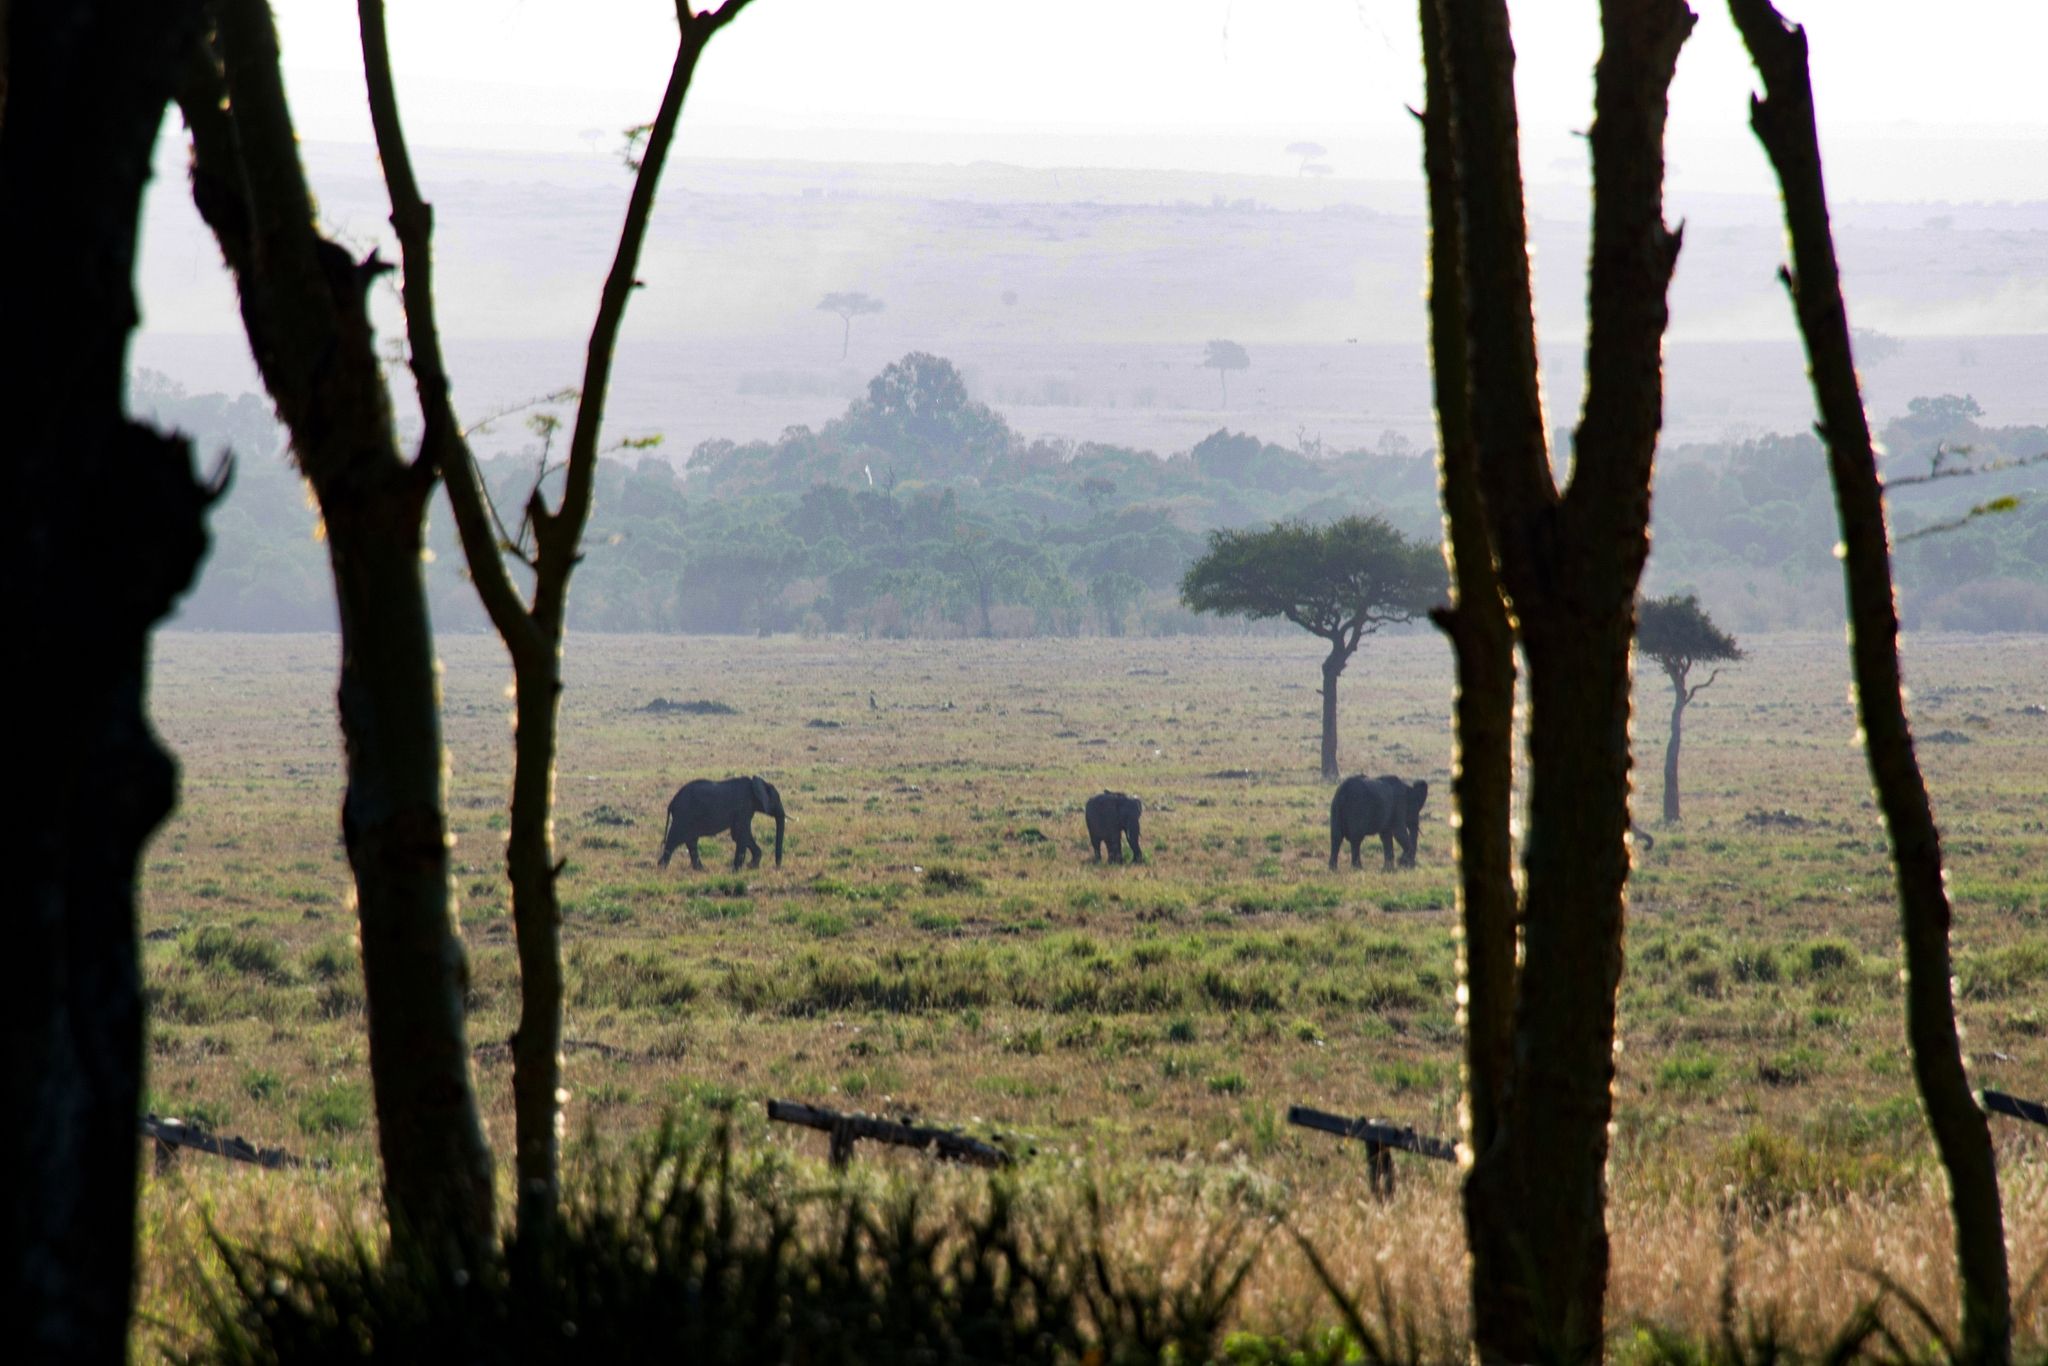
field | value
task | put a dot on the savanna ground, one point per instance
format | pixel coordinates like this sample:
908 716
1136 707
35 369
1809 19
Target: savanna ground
938 943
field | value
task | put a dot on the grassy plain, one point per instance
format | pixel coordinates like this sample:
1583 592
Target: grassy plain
938 943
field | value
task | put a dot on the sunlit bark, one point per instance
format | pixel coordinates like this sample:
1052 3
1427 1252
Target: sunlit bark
1784 121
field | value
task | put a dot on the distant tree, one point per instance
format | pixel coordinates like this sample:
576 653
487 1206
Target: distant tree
1223 357
1872 346
850 306
1678 634
1113 594
1308 152
918 408
1932 422
1342 582
1097 489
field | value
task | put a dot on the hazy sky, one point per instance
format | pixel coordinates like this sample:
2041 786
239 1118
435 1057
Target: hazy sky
1923 108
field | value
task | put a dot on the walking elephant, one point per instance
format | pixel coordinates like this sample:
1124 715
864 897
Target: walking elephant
708 806
1112 819
1383 806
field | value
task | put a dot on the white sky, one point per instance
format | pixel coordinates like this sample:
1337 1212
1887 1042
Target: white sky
1922 106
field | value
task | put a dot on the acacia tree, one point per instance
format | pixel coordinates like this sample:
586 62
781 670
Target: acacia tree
103 528
1223 357
1342 582
532 628
849 306
1569 561
1784 121
1678 634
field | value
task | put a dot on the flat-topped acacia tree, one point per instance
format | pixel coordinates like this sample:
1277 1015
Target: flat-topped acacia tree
1342 582
1678 634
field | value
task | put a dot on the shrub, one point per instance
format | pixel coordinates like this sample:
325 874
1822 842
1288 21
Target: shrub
340 1108
675 1256
221 949
942 878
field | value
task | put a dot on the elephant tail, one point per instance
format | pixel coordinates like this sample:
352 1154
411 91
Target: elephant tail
668 847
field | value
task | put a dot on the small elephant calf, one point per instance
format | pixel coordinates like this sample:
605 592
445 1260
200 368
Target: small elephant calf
1383 806
1113 818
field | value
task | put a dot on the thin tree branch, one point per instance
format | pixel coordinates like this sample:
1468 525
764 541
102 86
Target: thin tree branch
1785 124
558 533
442 445
1698 688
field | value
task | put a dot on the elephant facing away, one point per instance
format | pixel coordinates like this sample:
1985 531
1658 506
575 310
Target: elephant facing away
1112 818
1383 806
708 806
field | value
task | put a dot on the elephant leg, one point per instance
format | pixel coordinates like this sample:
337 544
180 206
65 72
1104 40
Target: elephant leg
1387 848
1096 845
1137 854
1336 843
1116 846
1407 852
696 864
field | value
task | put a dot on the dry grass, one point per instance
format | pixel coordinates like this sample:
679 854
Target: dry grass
1147 1025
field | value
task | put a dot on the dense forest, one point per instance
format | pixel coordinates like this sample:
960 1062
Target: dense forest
921 512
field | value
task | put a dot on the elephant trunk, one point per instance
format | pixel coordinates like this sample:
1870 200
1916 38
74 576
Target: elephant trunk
779 818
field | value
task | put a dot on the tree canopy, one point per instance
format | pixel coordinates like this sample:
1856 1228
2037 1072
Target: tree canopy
1341 581
1677 632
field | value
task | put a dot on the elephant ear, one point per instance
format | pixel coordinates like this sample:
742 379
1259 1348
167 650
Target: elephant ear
1137 807
760 793
1418 793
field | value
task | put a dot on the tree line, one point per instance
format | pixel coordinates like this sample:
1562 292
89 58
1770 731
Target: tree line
919 507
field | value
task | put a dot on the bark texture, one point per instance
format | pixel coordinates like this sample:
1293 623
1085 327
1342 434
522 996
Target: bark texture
1482 640
532 631
1569 563
303 306
1785 123
103 529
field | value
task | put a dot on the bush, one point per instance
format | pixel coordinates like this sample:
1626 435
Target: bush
221 949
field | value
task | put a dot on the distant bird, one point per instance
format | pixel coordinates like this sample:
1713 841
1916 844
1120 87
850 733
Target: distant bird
872 704
870 474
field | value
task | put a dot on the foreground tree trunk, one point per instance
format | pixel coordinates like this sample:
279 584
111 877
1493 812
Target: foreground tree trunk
532 632
303 305
104 528
1570 563
1482 639
1785 124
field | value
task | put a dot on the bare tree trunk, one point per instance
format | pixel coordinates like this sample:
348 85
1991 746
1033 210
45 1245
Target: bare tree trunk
1333 668
1678 701
533 632
1784 122
1482 780
1570 564
303 305
103 529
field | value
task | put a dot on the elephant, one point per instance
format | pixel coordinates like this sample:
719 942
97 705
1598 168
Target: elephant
1113 818
706 806
1383 806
